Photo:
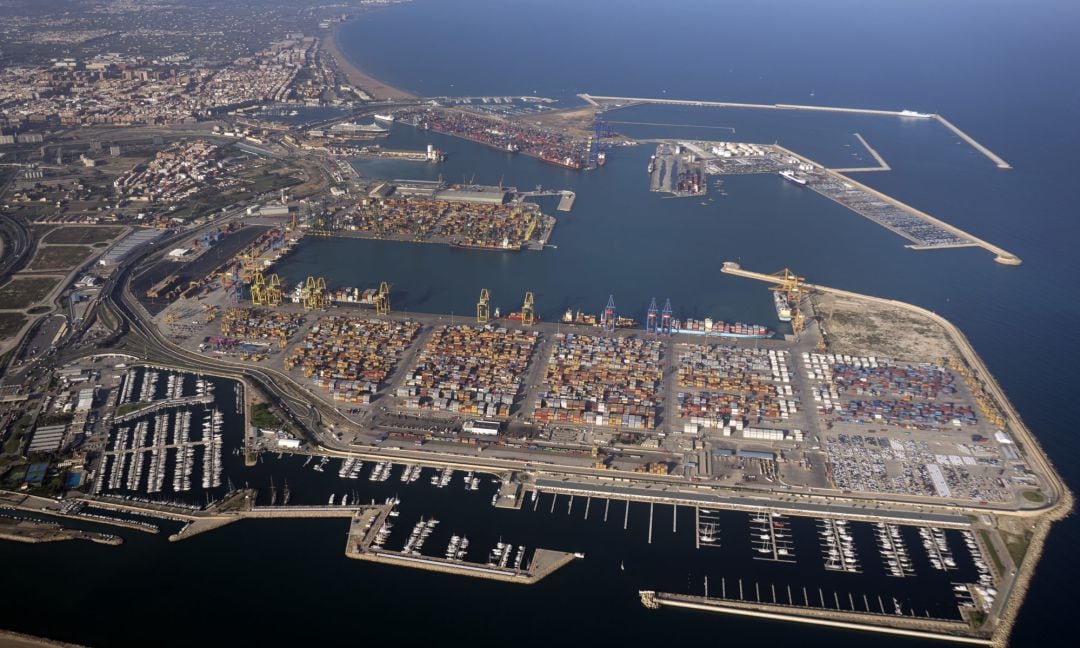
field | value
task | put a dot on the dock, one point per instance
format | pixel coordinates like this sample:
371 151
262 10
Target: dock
597 100
566 201
880 621
965 239
365 526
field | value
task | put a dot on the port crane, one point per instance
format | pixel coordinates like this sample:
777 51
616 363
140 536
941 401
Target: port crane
667 321
483 307
528 310
258 288
607 320
651 325
792 286
315 296
273 293
382 299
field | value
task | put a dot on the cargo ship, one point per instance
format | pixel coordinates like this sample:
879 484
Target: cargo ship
585 319
652 164
516 316
565 162
710 327
348 295
791 177
783 306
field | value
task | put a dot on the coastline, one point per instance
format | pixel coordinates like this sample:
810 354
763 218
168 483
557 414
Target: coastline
357 77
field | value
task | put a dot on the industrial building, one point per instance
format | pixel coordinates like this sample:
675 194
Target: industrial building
47 439
489 428
129 244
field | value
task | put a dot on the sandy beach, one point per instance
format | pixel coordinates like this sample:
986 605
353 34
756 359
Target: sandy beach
357 77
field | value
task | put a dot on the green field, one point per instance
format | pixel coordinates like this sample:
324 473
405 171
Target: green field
82 235
25 292
62 257
10 323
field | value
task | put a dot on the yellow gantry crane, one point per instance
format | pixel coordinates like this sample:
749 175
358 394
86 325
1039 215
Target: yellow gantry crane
273 292
315 294
792 288
382 299
483 307
528 310
258 288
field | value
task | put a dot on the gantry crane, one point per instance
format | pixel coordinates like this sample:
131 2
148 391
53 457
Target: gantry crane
382 299
314 294
607 319
273 293
258 288
528 310
483 307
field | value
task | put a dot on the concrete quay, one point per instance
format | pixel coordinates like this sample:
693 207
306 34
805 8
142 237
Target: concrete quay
909 626
749 503
1002 256
597 100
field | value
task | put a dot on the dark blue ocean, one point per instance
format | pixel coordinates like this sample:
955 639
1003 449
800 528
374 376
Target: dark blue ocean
1004 72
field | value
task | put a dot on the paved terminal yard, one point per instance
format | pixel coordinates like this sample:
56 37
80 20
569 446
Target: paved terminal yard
757 413
923 230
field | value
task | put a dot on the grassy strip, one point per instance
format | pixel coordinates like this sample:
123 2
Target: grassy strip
993 552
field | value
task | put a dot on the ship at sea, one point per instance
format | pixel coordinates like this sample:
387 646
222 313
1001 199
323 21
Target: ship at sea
601 158
783 306
791 177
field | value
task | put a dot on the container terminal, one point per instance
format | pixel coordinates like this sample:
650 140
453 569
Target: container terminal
602 412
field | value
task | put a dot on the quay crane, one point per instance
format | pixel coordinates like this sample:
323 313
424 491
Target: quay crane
258 288
528 310
667 320
607 320
315 296
483 307
382 299
651 325
273 293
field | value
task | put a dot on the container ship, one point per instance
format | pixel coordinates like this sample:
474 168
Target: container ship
711 327
783 306
565 162
348 295
585 319
791 177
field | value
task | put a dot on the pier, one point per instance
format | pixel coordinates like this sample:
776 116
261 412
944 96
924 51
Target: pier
882 164
898 624
366 524
156 406
748 504
597 100
1002 256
